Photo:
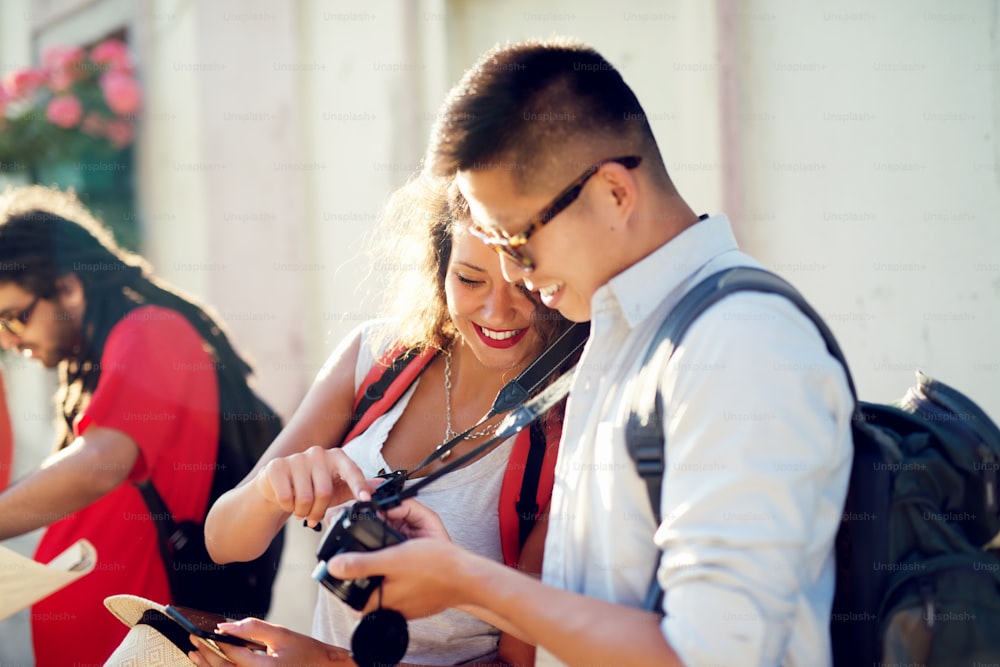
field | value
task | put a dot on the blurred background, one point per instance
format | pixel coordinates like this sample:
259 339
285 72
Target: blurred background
850 142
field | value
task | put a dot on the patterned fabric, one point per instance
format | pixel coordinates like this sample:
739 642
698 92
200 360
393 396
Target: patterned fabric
144 646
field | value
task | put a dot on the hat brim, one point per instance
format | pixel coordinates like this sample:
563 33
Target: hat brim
129 610
144 645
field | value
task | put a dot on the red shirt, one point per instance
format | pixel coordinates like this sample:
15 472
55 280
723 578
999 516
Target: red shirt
6 438
158 386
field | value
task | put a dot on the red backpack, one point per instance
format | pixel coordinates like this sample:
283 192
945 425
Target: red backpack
527 482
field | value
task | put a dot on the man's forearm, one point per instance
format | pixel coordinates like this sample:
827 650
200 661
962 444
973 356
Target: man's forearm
45 496
20 511
574 628
68 481
426 574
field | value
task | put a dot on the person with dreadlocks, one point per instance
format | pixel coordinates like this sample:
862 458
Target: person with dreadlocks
138 396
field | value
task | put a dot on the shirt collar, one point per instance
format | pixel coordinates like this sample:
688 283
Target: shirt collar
640 289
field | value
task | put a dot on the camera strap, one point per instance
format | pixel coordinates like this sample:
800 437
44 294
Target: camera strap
515 422
512 398
518 390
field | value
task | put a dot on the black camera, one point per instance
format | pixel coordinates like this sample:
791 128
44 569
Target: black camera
358 528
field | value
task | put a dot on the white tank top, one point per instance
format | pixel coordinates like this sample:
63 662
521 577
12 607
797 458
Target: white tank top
466 499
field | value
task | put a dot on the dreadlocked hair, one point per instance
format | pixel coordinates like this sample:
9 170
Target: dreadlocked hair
46 234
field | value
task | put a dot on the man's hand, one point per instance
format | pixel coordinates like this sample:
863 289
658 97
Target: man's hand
419 575
94 465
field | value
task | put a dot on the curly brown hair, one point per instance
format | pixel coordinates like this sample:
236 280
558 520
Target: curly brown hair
414 239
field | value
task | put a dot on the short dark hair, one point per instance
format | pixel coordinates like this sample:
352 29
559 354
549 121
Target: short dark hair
520 106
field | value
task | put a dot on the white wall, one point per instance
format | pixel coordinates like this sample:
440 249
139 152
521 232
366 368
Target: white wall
221 173
359 113
871 179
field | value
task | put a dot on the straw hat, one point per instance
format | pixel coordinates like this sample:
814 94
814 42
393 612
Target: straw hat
144 645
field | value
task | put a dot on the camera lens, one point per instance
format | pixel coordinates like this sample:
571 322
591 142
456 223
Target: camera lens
381 638
358 528
355 592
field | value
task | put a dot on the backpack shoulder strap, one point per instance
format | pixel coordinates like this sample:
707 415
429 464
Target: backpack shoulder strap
530 472
644 436
166 526
644 429
385 383
528 478
527 486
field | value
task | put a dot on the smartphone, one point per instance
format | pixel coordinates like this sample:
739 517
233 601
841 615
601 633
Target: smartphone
203 623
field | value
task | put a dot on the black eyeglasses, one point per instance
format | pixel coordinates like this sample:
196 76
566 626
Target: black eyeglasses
511 246
16 324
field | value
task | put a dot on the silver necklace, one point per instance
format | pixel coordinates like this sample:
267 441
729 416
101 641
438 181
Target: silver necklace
449 433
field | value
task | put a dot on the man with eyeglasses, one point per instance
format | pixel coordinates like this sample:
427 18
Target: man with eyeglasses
138 399
757 413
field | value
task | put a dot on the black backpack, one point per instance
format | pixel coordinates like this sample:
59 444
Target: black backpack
918 582
247 425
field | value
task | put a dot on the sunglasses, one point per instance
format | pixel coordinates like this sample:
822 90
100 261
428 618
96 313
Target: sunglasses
514 246
16 324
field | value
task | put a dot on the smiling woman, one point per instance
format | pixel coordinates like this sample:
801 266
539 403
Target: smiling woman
491 315
448 301
414 247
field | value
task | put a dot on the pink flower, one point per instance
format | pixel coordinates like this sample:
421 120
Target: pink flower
23 83
112 52
64 111
62 57
64 66
119 133
61 79
93 125
121 92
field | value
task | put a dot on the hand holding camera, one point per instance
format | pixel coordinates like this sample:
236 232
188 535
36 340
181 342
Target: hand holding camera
382 636
358 528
